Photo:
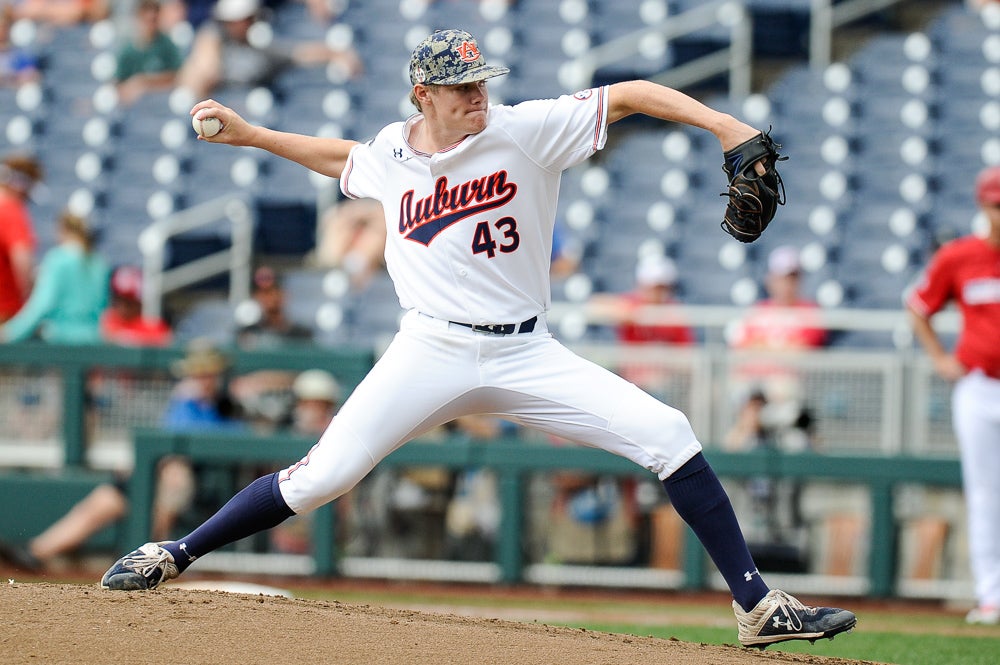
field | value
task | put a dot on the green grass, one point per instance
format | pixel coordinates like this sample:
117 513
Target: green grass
880 647
893 635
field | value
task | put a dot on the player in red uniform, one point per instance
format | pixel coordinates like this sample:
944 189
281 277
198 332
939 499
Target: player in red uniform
967 270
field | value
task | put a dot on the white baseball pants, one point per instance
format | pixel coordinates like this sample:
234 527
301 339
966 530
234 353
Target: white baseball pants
976 419
435 371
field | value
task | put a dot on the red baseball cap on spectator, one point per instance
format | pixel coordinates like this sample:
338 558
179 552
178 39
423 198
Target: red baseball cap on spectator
126 282
988 186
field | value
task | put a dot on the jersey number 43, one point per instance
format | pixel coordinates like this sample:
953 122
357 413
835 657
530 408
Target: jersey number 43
484 242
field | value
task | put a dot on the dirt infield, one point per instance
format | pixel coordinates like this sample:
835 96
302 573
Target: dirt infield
72 623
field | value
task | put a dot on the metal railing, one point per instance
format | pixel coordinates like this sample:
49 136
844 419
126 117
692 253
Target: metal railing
736 59
158 280
825 17
871 401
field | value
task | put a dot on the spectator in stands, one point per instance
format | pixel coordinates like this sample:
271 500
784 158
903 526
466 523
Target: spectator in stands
265 395
771 411
200 400
273 328
196 12
104 505
601 511
18 176
198 403
123 323
785 320
62 12
149 60
655 284
317 399
70 293
352 238
223 53
760 425
967 271
17 66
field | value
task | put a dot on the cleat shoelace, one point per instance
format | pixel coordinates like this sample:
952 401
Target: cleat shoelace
147 562
791 608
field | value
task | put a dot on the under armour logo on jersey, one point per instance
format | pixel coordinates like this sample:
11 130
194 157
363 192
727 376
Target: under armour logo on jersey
397 153
421 220
750 573
468 52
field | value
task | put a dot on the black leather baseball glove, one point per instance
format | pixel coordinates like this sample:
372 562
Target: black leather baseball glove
753 198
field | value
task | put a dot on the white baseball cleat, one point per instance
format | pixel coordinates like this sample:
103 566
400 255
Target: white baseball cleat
984 616
779 617
141 569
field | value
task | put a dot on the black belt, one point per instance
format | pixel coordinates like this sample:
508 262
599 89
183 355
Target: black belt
502 328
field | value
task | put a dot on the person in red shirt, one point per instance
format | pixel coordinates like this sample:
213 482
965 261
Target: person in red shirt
18 175
967 271
123 323
784 321
655 284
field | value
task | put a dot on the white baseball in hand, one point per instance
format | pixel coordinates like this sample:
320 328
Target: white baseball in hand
206 126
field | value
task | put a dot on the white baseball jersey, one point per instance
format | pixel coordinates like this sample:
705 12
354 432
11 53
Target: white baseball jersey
470 227
470 234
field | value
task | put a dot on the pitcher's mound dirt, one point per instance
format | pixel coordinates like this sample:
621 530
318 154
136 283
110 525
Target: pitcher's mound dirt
68 623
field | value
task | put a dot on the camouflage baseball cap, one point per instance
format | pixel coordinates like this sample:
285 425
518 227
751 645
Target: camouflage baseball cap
450 57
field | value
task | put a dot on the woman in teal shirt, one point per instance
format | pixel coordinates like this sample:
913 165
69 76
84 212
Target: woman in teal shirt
70 292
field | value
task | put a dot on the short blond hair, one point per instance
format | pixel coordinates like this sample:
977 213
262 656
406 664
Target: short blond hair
413 95
77 226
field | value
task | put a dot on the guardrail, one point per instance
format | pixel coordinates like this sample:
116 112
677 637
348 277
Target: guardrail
825 17
513 460
734 59
868 402
158 280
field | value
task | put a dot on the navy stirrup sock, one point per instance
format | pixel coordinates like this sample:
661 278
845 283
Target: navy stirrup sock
256 507
699 498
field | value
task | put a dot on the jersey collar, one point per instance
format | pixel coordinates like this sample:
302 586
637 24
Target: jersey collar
408 127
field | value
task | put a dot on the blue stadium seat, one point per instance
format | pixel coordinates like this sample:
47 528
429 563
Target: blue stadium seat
211 318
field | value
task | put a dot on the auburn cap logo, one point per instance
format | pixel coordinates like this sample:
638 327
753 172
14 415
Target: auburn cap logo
469 52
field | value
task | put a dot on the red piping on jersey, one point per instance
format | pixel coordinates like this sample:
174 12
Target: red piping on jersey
427 154
345 177
600 117
298 465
